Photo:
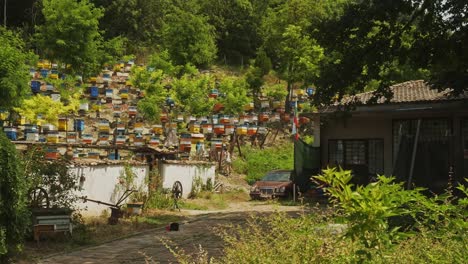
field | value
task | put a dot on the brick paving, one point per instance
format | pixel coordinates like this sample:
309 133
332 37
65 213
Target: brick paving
148 247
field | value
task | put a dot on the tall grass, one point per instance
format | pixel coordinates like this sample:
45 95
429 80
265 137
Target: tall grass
257 162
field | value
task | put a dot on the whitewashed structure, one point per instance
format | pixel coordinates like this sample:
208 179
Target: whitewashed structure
186 172
98 182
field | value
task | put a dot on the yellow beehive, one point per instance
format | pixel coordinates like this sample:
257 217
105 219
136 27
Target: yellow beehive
300 92
249 107
194 128
97 107
62 124
40 65
3 115
157 129
241 130
53 138
46 64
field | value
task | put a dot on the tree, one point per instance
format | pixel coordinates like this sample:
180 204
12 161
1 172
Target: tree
441 43
14 218
151 82
191 95
70 34
188 37
234 96
49 109
14 76
236 24
53 175
299 58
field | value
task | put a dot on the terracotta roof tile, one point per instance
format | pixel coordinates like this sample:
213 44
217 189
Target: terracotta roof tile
408 92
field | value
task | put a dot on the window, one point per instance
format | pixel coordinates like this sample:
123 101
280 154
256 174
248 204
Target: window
431 130
351 153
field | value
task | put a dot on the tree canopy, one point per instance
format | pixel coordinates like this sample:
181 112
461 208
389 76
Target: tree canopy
70 34
339 46
14 75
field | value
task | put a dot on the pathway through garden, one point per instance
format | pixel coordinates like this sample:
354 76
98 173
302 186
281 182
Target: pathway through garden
149 247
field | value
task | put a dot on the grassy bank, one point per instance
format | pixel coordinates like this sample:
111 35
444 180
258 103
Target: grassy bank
256 162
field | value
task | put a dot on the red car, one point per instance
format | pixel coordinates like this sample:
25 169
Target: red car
274 184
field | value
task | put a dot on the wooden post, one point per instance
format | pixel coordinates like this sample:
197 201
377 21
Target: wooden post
238 147
413 156
264 139
220 158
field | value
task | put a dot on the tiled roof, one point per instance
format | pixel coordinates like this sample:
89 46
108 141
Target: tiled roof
407 92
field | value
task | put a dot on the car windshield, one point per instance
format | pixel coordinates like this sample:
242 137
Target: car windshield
282 176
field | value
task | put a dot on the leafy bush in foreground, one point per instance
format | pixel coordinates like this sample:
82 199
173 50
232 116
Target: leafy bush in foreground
378 223
14 216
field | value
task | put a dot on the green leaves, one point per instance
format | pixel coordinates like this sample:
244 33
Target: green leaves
188 37
14 216
381 214
70 34
14 76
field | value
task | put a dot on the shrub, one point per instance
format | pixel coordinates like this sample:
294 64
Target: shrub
52 175
370 212
14 216
430 229
257 162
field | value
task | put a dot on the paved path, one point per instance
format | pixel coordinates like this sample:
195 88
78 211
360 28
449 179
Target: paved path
148 248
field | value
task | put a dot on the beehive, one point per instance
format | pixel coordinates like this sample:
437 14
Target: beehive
241 130
157 129
207 128
198 138
62 124
194 128
249 107
252 130
52 137
219 129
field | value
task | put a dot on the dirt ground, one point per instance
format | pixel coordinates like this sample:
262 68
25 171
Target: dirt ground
155 246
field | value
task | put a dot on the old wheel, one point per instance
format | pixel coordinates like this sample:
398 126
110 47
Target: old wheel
38 198
177 190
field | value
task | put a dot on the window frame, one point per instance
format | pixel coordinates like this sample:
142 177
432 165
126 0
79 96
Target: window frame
366 154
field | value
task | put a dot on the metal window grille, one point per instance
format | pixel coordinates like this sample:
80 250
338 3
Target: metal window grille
369 152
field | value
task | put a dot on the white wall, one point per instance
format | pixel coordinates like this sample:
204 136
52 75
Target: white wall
185 173
100 182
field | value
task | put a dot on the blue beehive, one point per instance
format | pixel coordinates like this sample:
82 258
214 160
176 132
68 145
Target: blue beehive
112 156
94 91
79 125
310 91
44 73
10 132
35 86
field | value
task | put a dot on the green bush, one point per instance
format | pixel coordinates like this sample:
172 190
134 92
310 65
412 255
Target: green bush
383 214
357 228
257 162
14 216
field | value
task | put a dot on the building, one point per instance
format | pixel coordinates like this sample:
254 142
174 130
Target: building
420 135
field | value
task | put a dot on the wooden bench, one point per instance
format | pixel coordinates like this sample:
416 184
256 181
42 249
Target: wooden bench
52 224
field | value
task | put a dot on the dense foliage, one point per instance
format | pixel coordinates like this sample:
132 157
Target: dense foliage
13 69
14 217
338 46
54 176
378 223
257 162
70 33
